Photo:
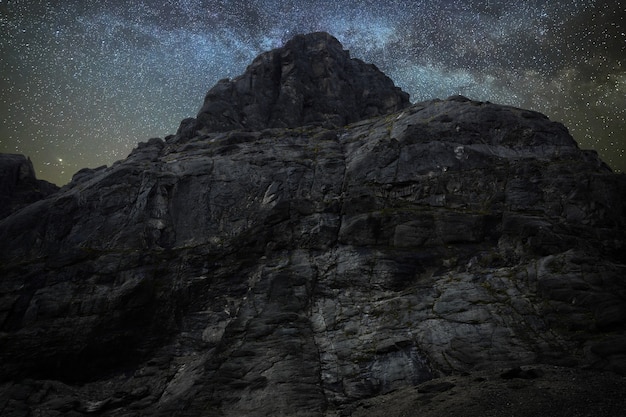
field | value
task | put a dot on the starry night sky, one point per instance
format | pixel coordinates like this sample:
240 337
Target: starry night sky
83 81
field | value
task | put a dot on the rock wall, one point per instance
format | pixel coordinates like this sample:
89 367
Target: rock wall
296 271
300 271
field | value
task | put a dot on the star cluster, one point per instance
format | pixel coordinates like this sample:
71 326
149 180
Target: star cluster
83 81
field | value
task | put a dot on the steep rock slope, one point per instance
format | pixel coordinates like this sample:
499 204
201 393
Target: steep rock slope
19 185
300 271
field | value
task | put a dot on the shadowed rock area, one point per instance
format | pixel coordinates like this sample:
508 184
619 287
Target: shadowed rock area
286 268
19 185
310 81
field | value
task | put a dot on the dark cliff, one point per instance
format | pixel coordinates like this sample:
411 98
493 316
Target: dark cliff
275 267
19 185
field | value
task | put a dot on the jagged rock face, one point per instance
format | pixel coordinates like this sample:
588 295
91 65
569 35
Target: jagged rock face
299 271
311 80
19 185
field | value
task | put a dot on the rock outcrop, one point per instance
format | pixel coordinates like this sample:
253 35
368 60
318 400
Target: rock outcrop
304 270
19 185
310 81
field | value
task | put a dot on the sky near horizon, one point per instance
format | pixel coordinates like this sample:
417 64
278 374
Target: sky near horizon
83 81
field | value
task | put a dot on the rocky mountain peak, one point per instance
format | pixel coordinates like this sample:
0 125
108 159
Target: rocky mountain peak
311 80
19 185
325 270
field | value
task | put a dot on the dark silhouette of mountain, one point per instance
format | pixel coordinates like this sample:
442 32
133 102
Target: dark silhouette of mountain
19 185
305 248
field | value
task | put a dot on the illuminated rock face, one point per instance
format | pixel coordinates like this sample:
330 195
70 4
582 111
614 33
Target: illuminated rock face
301 270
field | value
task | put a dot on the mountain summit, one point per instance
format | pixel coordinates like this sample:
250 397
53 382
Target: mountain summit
297 250
310 81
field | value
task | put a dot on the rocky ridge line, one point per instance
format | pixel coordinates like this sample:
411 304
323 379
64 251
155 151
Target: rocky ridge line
310 81
19 185
310 271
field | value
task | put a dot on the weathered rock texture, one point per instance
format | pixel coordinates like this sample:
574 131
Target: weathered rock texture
19 185
300 271
310 81
538 391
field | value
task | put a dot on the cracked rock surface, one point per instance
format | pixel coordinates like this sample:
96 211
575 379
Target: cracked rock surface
311 80
306 270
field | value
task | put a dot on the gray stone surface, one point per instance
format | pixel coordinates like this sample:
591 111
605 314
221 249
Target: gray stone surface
540 391
300 271
310 81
